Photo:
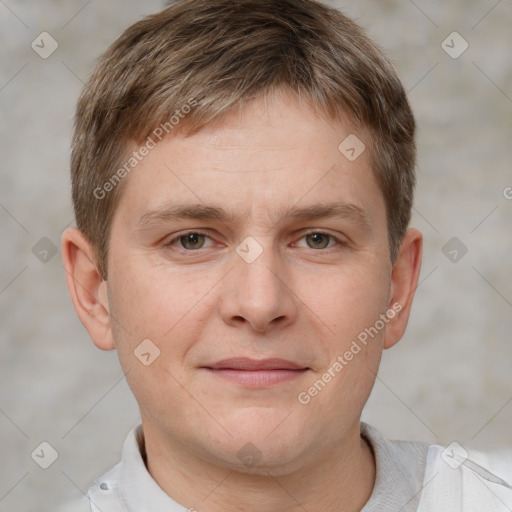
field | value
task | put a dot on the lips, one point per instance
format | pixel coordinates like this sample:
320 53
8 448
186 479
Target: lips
256 373
247 364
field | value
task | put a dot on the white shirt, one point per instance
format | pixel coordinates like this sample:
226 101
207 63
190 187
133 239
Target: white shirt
410 477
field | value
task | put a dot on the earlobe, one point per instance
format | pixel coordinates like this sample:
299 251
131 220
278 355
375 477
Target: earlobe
86 287
404 281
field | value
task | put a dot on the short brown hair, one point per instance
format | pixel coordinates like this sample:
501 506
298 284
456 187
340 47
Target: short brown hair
221 53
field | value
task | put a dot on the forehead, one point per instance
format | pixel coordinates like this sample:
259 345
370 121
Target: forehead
258 161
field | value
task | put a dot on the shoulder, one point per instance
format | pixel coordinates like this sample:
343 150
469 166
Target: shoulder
433 478
457 478
102 495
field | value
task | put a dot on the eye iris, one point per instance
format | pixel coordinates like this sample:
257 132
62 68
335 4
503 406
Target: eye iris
317 237
192 239
195 239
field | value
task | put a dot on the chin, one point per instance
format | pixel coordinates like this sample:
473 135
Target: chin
262 458
263 441
264 424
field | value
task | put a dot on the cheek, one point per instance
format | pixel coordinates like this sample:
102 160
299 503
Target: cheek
349 303
349 300
150 301
166 306
153 322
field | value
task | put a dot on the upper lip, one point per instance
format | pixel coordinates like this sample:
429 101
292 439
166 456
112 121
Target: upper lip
246 363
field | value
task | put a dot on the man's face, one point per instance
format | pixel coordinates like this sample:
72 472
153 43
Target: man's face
271 280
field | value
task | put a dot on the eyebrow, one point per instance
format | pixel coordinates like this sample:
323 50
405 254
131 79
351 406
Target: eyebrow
174 212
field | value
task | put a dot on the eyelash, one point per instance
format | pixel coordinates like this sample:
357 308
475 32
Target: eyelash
182 250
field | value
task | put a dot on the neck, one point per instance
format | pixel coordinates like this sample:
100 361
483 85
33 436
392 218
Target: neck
340 478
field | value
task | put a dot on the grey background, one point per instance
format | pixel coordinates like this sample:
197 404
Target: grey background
448 379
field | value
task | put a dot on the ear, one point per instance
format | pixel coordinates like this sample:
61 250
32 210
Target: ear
404 281
87 288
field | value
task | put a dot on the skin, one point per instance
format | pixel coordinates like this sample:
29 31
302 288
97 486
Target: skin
305 299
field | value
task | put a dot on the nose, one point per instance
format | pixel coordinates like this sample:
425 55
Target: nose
259 293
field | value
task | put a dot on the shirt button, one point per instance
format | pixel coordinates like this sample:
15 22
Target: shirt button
104 486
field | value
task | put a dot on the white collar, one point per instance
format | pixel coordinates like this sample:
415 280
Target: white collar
129 487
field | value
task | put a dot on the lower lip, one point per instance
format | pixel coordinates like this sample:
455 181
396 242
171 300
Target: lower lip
257 378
